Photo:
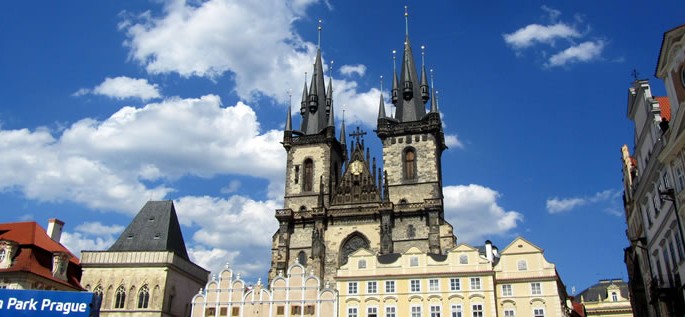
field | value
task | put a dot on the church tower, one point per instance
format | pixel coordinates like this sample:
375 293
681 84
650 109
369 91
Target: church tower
338 201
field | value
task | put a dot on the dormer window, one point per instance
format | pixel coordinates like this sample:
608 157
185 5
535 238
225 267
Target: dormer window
7 250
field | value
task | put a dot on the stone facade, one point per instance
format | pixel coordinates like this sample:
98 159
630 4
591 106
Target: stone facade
296 294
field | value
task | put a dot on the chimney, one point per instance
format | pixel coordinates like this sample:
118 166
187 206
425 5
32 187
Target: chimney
55 229
488 250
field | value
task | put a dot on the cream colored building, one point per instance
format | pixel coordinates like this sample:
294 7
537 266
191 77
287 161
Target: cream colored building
466 281
295 294
147 271
608 298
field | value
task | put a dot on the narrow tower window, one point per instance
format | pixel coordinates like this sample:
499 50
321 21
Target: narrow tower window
308 175
409 164
302 258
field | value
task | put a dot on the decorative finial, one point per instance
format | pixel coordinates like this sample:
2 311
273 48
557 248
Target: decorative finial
227 265
406 20
330 69
423 53
320 28
290 101
305 77
259 281
381 84
394 61
432 84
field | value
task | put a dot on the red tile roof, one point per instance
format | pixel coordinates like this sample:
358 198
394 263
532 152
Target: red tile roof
665 106
35 252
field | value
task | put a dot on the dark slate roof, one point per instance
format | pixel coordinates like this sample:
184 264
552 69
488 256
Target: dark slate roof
592 293
388 258
155 228
438 257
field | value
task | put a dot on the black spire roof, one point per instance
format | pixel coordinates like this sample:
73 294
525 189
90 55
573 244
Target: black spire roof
410 106
155 228
315 118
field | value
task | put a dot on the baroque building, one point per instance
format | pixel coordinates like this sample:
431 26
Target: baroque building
607 298
33 258
146 272
338 200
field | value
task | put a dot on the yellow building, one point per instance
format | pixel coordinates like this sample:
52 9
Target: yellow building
466 281
608 298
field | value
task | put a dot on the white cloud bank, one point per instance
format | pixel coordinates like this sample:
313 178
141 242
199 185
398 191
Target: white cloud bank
557 205
123 87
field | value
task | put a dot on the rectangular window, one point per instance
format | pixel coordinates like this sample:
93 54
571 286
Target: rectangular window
309 310
509 313
506 290
679 246
223 311
414 261
681 178
435 311
371 287
351 311
372 312
280 310
456 311
294 309
416 311
539 312
415 286
671 250
535 288
455 285
477 310
390 311
389 286
475 283
352 288
657 204
434 285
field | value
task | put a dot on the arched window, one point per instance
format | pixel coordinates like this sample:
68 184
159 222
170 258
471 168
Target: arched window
308 183
98 291
353 243
409 163
143 297
522 265
120 297
302 258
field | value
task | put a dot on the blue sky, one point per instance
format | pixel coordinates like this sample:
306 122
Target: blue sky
108 104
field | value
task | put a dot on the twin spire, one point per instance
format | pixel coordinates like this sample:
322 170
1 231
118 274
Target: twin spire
409 93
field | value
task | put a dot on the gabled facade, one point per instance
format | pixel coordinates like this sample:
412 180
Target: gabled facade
607 298
147 271
339 199
33 258
296 293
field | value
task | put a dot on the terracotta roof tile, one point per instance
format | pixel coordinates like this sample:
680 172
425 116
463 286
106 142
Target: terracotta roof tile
665 106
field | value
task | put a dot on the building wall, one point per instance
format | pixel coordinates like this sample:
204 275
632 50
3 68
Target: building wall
171 281
297 293
426 184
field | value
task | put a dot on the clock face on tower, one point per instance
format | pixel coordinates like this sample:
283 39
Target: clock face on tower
356 167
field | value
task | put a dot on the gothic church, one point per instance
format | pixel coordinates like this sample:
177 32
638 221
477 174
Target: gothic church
337 200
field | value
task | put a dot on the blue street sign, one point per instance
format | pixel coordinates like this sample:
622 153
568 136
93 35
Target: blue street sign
48 303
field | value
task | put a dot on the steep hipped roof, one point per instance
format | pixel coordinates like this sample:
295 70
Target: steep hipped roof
35 251
155 228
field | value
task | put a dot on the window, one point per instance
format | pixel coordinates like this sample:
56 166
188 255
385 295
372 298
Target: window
3 254
352 288
414 261
614 297
680 184
143 297
361 264
679 247
522 265
294 309
509 313
371 287
434 285
308 175
475 283
309 310
456 311
302 258
280 310
666 181
120 297
223 311
416 311
235 311
297 174
671 249
415 286
435 311
372 312
506 290
389 286
539 312
657 203
351 311
390 311
98 291
535 288
455 285
211 311
477 310
463 259
409 164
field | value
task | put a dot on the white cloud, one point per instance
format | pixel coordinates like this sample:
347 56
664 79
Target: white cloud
97 228
91 236
349 70
558 205
453 141
584 52
536 33
475 214
232 186
123 87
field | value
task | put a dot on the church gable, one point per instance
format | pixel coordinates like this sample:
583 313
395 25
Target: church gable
520 245
361 181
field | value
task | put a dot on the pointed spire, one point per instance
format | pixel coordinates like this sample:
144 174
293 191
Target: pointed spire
329 90
303 103
316 117
395 82
434 102
331 118
424 81
410 108
381 106
289 119
319 29
342 129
